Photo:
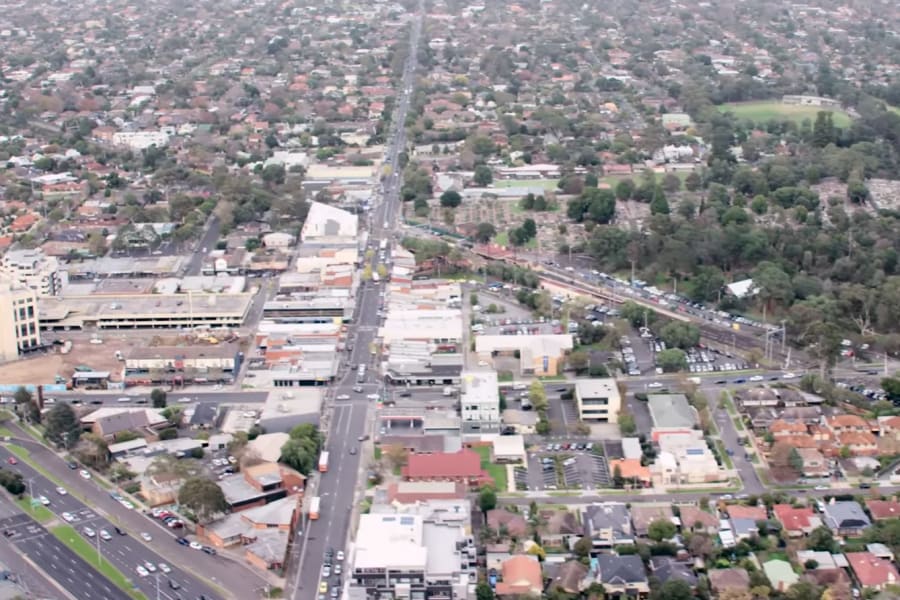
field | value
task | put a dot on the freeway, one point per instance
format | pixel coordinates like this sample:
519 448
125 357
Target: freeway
100 511
77 577
348 419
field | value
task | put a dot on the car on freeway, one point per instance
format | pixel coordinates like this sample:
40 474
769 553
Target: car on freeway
126 504
174 584
196 545
146 536
339 556
150 566
343 397
120 531
85 474
184 400
334 593
326 571
655 384
721 382
823 487
104 535
757 378
353 450
358 389
323 587
165 568
740 381
141 571
182 541
373 396
362 438
209 550
61 491
44 500
72 465
337 569
68 517
789 376
88 532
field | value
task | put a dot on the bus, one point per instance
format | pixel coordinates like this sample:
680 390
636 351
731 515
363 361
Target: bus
323 462
314 508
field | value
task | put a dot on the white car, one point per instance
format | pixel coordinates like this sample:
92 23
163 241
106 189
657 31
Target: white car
104 535
196 545
757 378
88 532
789 376
61 491
184 400
44 500
339 556
68 517
165 568
126 504
141 571
655 384
482 363
343 397
146 536
373 396
150 566
85 474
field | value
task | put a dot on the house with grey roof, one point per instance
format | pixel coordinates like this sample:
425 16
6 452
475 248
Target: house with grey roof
665 568
846 518
608 524
671 413
621 575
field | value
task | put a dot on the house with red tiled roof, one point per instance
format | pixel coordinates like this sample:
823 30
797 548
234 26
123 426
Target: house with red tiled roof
847 423
463 466
796 521
756 513
883 509
23 223
889 426
871 571
512 523
521 576
859 443
781 427
697 519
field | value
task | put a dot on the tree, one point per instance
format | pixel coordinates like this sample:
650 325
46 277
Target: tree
583 547
671 360
296 455
596 204
674 589
538 396
625 189
660 530
680 334
579 360
627 425
484 232
61 425
273 174
658 204
203 497
635 313
773 285
487 498
483 176
451 199
821 540
484 591
158 398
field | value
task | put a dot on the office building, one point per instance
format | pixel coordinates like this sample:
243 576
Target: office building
480 402
19 329
598 400
34 270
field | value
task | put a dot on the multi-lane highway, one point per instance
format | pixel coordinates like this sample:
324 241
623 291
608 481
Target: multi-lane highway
349 419
100 511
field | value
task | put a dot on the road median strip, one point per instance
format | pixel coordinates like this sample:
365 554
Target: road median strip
39 513
75 542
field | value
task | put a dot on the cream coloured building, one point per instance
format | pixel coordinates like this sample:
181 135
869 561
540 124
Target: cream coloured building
19 329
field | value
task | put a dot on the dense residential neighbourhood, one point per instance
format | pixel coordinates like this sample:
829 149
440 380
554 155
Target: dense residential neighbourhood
441 299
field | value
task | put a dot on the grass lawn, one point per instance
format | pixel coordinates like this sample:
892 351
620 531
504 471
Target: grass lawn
775 110
74 540
726 460
894 109
377 453
38 512
502 238
547 184
5 432
497 472
19 451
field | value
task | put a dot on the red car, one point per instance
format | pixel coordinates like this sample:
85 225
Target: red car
12 460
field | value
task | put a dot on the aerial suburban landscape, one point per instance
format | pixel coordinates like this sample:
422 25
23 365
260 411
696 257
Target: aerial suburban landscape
450 300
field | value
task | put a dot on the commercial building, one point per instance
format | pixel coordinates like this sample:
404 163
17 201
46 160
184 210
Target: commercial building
539 355
480 402
685 458
140 140
463 466
423 550
143 311
325 224
178 365
34 270
260 484
284 410
19 325
598 400
670 413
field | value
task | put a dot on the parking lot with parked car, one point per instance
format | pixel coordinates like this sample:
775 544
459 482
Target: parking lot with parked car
564 465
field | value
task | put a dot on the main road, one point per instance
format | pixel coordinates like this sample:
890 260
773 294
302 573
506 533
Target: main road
94 507
348 419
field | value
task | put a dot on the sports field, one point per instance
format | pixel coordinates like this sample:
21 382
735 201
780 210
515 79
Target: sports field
769 110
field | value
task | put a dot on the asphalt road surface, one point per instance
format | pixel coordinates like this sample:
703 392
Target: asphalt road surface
58 561
349 421
127 552
112 398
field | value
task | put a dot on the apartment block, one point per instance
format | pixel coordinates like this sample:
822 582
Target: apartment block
19 328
